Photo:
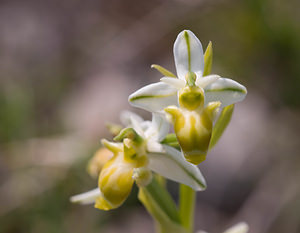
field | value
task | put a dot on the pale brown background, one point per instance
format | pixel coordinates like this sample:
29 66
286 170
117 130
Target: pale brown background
68 66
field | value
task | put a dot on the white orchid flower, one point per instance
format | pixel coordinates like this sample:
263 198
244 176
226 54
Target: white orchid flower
241 227
140 153
192 100
189 62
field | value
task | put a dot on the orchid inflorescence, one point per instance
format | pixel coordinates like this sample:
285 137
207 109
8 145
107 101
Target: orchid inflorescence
197 104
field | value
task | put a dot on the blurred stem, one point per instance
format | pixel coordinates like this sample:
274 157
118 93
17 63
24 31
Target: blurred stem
187 203
161 207
164 200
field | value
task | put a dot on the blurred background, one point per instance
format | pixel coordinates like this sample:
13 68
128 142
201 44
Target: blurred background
67 68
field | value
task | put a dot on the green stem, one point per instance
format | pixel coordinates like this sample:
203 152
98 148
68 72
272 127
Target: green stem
187 203
161 207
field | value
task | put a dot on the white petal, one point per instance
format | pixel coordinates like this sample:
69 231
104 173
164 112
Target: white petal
174 82
226 91
159 128
188 54
204 81
87 197
154 97
173 166
241 227
145 125
126 115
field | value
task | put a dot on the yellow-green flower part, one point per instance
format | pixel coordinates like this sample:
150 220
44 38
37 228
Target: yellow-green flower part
97 162
191 98
116 177
193 130
115 182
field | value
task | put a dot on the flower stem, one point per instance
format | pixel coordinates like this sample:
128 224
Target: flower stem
187 207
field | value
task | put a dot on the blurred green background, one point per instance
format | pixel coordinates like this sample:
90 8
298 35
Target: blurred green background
67 68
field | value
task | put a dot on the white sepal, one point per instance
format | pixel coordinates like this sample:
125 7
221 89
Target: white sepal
145 125
188 54
241 227
173 166
126 117
87 197
137 126
154 97
159 128
225 90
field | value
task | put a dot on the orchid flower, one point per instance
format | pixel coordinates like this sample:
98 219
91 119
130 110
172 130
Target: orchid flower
190 67
139 152
192 100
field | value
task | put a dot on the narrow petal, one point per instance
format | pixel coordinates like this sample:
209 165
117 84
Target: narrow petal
174 82
87 197
226 91
159 128
188 54
241 227
173 166
208 58
154 97
114 147
205 81
126 116
163 71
